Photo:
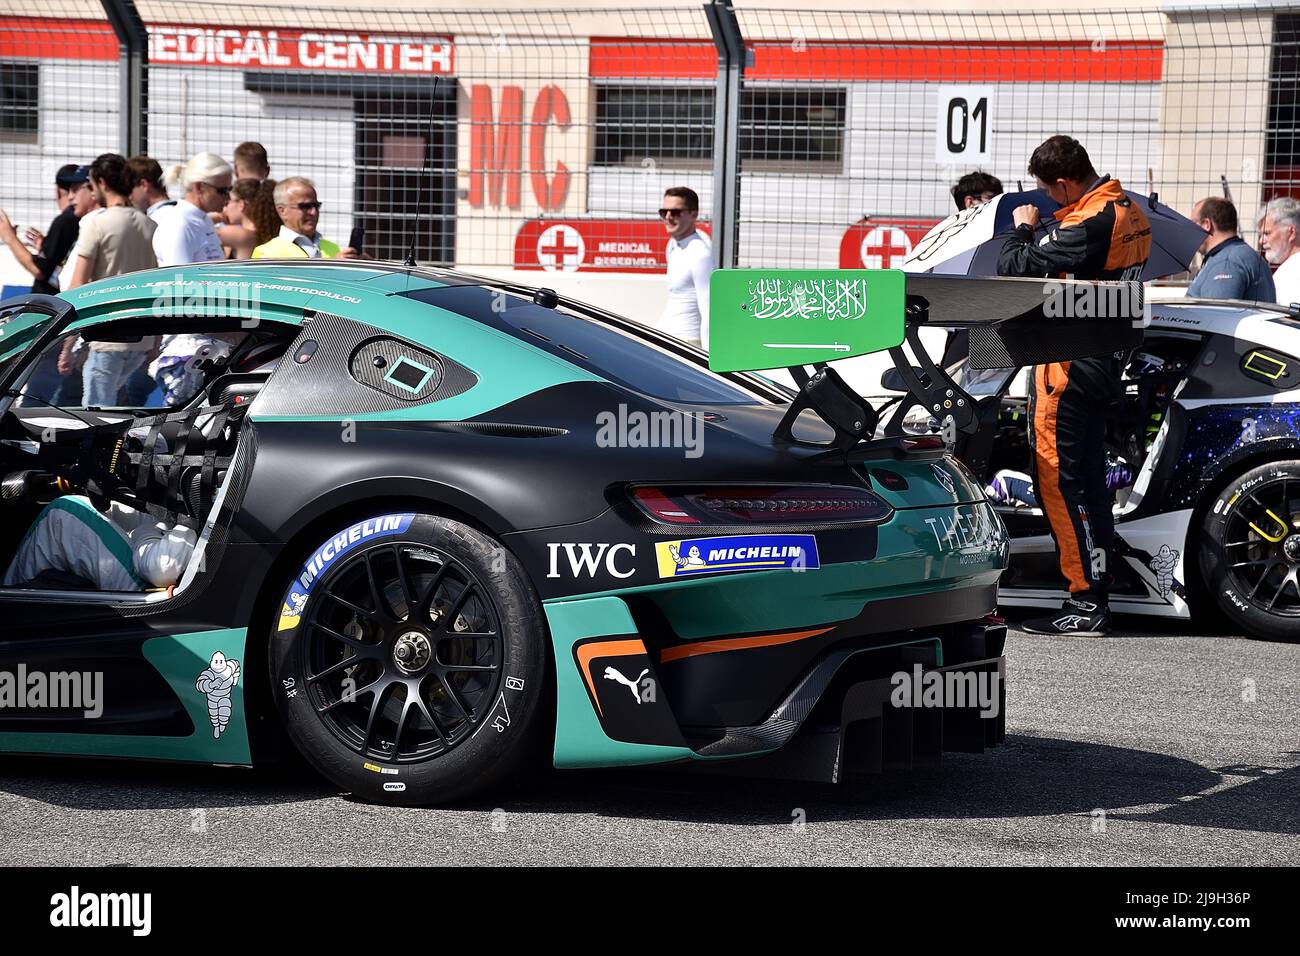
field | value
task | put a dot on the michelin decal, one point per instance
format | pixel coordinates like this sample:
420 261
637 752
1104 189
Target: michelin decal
320 562
1164 564
217 683
749 552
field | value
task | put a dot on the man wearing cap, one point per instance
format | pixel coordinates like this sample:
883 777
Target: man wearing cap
74 198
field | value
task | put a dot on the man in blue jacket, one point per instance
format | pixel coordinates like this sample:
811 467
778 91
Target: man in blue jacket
1230 269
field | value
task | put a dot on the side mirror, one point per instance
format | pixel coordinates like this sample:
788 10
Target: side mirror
892 379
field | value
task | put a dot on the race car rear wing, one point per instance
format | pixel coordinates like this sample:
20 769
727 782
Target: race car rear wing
796 318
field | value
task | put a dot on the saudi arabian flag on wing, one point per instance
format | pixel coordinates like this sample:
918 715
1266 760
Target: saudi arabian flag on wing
774 318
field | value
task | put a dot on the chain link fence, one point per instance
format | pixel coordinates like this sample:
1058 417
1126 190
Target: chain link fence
544 138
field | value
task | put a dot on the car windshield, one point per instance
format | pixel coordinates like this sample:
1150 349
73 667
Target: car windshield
593 346
19 330
979 382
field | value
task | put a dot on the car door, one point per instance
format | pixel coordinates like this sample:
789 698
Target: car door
85 671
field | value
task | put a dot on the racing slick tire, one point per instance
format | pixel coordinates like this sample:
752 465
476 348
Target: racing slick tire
409 660
1250 551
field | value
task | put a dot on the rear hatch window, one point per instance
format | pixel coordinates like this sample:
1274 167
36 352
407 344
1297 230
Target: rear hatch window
593 346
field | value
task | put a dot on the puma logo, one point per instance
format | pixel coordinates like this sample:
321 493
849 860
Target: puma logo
612 674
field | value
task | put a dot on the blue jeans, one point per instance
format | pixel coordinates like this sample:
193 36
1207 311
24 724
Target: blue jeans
104 374
42 387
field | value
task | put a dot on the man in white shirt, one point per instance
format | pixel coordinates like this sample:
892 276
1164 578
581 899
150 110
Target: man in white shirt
690 263
1279 231
185 234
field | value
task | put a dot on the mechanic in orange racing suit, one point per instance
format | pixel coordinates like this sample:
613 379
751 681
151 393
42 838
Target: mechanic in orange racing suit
1099 234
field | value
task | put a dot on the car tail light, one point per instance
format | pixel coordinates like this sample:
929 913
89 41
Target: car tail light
921 442
705 506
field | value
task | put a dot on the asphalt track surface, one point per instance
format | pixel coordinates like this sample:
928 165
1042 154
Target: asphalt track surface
1153 726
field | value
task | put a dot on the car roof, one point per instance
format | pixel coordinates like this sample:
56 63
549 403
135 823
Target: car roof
1239 305
284 284
1266 322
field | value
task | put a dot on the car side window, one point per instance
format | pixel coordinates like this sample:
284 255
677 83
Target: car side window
593 346
93 368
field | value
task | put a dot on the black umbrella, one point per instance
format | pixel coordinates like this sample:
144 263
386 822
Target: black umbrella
1174 237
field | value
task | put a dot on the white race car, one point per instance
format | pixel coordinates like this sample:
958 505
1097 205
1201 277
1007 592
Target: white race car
1203 458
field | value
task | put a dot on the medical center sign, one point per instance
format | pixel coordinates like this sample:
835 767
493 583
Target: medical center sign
298 50
762 319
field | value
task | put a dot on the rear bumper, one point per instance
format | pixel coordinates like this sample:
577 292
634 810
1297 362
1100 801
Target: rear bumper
872 734
811 704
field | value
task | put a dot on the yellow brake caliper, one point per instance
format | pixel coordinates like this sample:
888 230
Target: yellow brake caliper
1271 538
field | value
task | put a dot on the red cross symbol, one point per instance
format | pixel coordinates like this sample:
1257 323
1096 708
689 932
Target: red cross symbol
560 248
882 245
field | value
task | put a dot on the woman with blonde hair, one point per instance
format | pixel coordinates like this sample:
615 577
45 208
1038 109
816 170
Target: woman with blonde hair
250 218
185 233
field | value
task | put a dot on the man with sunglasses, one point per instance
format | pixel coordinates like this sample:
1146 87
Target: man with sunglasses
299 209
690 263
185 232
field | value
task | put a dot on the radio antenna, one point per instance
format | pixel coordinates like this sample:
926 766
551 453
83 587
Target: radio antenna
419 201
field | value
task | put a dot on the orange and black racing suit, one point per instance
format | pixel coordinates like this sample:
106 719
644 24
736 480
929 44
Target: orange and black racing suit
1101 236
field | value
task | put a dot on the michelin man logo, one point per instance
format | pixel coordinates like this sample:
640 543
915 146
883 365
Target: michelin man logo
692 559
1163 564
217 683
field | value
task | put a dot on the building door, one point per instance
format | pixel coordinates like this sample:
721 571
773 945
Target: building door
405 155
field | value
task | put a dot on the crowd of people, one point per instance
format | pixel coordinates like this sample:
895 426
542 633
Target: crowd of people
118 215
1230 268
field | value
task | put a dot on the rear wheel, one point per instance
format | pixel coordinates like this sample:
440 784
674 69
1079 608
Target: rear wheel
1250 551
409 660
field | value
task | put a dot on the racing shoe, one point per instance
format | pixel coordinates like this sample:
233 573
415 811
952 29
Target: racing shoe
1079 616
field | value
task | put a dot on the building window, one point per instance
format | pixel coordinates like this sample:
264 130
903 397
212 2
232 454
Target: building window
403 160
1282 165
782 128
672 126
406 174
788 128
19 93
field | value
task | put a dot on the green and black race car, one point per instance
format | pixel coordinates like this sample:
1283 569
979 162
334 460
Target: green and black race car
442 522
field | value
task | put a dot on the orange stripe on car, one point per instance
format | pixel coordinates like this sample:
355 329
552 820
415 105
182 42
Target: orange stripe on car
736 644
619 648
